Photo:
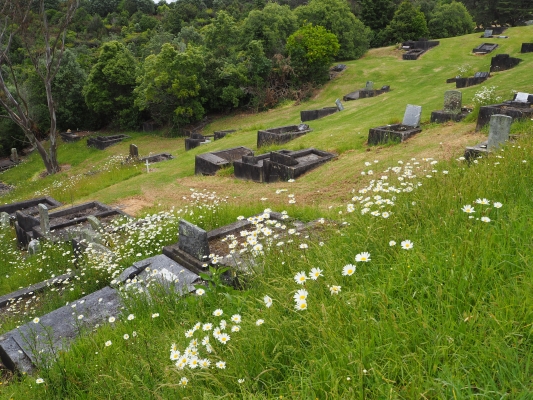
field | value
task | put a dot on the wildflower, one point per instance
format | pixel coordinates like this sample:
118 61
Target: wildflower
217 332
193 362
204 363
407 245
483 201
36 320
301 305
221 365
108 343
497 204
485 219
385 214
223 324
39 381
392 243
304 246
200 292
300 277
468 209
260 322
334 289
268 301
155 315
365 256
235 328
207 327
348 270
236 318
224 338
134 334
205 340
189 333
80 316
300 295
218 312
126 336
184 381
240 380
130 317
315 273
174 355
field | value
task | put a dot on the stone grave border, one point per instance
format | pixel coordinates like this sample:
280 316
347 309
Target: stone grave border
484 48
401 132
210 163
281 135
513 109
526 48
220 134
101 142
503 62
12 208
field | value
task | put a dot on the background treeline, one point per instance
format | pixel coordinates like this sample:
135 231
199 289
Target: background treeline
130 61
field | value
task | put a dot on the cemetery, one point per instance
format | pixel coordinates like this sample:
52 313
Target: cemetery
503 62
281 135
415 48
453 109
409 127
485 48
210 163
368 91
499 128
279 165
101 142
196 139
519 108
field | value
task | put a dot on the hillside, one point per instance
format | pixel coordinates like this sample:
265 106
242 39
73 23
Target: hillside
413 298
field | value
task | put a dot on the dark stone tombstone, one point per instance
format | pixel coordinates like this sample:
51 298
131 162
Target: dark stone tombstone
452 110
502 62
515 110
478 78
521 97
134 151
527 48
155 158
193 240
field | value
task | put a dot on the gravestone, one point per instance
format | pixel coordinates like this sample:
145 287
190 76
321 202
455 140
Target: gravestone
503 62
412 115
44 219
453 101
193 240
522 97
95 223
369 85
488 33
340 107
134 151
34 247
499 127
14 155
527 48
4 219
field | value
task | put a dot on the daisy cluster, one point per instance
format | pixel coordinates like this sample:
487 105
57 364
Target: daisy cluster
378 198
483 202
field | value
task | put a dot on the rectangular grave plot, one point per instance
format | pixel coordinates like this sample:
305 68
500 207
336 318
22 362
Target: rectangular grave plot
413 54
466 82
303 161
516 113
527 48
220 134
503 62
21 350
69 137
311 115
157 158
6 163
251 168
397 132
79 211
101 142
210 163
442 116
420 44
29 207
484 48
281 134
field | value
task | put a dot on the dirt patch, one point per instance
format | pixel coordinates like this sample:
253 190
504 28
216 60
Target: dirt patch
133 206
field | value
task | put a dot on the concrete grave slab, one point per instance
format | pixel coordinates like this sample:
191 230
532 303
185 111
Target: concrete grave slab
280 135
502 62
526 48
210 163
310 115
513 109
363 93
29 207
484 48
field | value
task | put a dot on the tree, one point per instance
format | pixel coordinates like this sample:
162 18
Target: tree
408 23
514 11
312 50
336 17
450 20
272 25
109 87
44 45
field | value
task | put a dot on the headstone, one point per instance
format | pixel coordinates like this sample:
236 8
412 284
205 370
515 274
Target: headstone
303 127
134 151
193 240
499 127
147 166
340 107
34 247
45 219
412 115
369 85
14 155
488 33
522 97
4 220
453 101
95 223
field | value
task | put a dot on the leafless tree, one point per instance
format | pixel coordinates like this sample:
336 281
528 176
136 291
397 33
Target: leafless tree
44 45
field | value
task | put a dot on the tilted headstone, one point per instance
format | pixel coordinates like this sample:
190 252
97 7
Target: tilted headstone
34 247
193 240
522 97
488 33
14 155
453 101
95 223
369 85
134 151
4 219
412 115
340 107
44 219
499 127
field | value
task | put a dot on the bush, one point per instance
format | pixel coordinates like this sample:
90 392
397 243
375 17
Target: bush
450 20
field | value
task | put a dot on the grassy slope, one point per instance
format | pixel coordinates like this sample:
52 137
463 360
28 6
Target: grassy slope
449 319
